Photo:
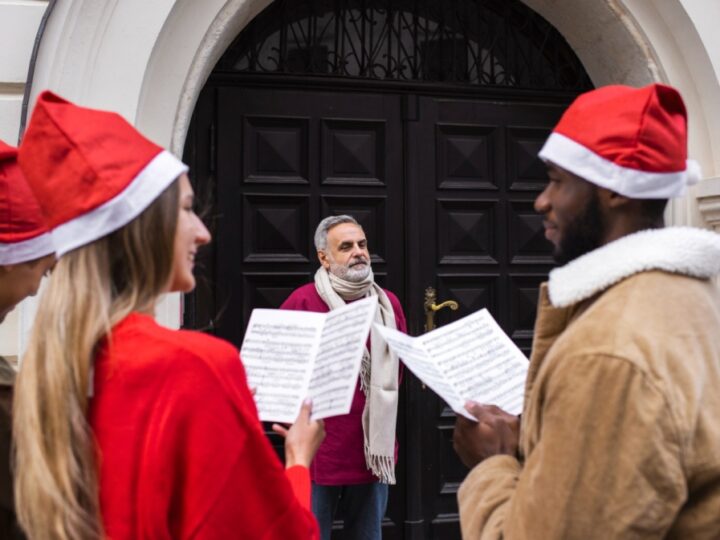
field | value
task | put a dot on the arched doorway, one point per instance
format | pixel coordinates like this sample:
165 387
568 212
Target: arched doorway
423 120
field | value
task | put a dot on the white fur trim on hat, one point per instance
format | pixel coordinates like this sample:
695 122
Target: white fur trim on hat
681 250
121 209
27 250
633 183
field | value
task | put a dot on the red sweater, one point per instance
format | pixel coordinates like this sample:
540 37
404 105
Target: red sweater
341 459
181 451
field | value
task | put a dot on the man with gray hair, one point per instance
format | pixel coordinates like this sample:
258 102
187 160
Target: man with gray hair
356 461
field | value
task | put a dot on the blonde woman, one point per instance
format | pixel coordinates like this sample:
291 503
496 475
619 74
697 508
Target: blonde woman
126 429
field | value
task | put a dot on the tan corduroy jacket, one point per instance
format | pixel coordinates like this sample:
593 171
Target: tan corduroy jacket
620 434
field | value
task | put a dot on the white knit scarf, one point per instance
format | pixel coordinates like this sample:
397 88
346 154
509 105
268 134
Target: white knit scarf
378 372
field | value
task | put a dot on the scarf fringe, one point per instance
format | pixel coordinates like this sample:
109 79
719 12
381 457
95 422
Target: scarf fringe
381 466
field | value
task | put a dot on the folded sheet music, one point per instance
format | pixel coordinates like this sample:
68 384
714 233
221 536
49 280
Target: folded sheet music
469 359
290 355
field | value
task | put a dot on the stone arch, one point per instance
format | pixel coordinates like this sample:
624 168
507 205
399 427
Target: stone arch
618 41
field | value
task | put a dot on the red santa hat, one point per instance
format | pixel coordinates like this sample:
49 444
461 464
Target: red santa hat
91 171
630 140
24 234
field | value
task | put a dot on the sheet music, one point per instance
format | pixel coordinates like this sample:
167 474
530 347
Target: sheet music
337 364
290 355
277 353
415 357
477 360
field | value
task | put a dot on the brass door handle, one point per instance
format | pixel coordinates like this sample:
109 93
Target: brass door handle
431 307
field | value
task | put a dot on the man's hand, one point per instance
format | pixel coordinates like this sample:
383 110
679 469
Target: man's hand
495 432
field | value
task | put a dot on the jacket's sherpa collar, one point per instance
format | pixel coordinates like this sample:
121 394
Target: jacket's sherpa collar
682 250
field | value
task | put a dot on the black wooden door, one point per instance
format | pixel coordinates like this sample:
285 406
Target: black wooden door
443 188
287 158
472 235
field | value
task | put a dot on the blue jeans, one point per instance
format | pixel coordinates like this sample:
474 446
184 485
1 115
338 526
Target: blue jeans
362 507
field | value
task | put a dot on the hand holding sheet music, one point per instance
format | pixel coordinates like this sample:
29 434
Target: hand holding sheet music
469 359
291 355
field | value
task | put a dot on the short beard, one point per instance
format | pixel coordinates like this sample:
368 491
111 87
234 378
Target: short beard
582 235
350 274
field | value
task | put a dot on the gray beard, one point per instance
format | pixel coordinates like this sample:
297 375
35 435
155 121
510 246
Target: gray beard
353 275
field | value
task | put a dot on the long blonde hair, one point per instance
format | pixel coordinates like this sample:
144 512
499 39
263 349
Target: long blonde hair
91 289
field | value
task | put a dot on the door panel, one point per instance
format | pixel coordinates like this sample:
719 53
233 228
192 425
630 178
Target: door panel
475 174
286 159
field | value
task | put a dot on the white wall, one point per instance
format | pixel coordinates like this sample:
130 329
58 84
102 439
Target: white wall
19 21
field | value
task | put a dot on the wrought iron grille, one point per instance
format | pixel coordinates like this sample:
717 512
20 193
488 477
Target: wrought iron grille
496 43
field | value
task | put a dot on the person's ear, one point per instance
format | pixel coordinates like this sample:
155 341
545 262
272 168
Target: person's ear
612 200
322 257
